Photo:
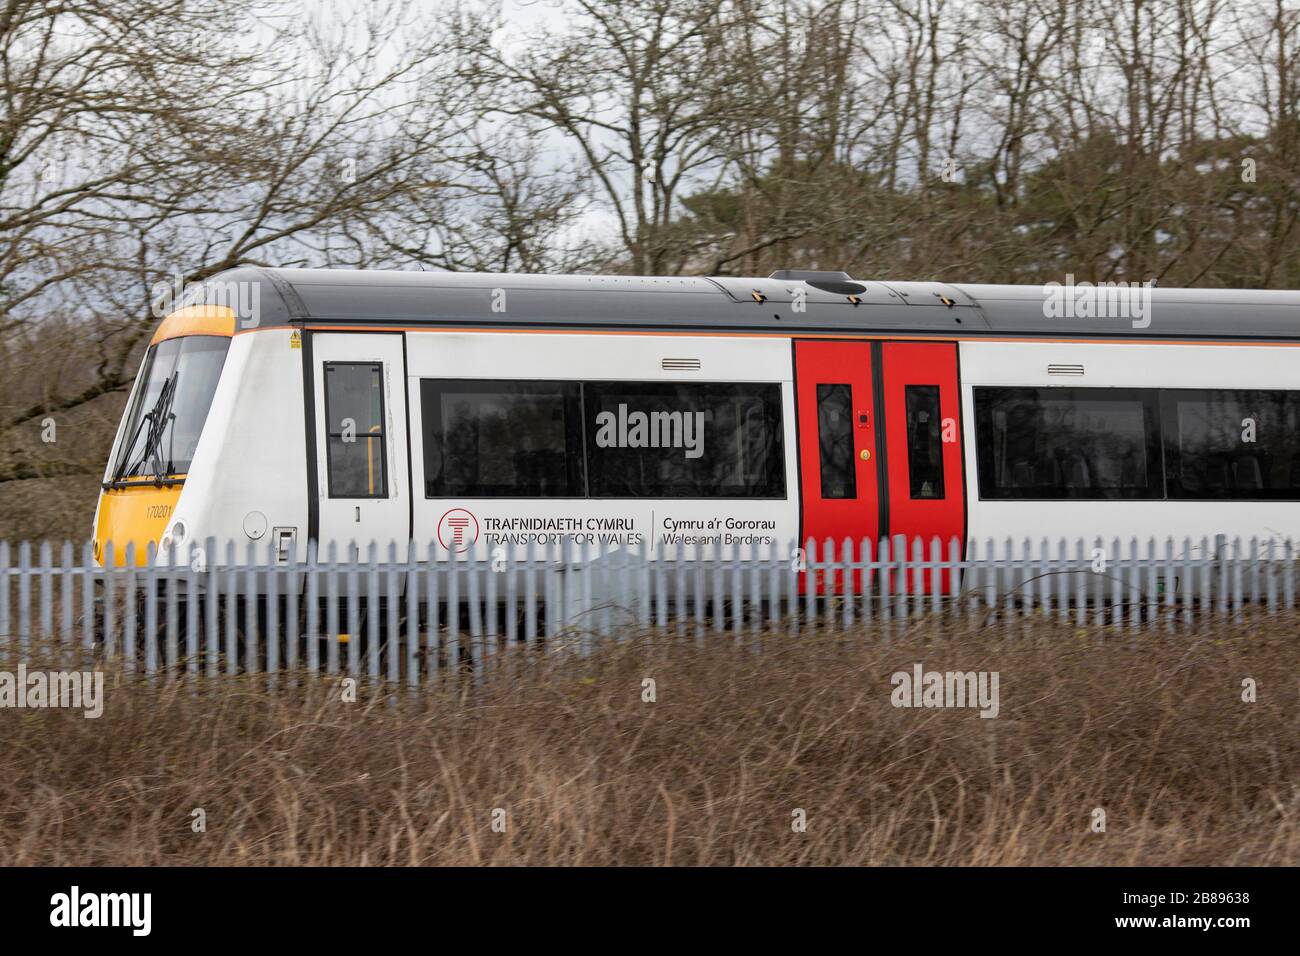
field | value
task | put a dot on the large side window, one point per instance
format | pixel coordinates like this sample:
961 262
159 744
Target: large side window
835 441
1061 443
684 440
498 439
1232 444
354 421
508 439
924 441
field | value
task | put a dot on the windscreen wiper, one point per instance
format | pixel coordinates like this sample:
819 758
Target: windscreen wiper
126 448
157 419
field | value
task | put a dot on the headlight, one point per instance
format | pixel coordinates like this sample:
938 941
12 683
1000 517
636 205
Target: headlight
169 545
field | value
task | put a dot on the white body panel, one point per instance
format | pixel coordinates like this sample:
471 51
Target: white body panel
614 523
251 458
1122 366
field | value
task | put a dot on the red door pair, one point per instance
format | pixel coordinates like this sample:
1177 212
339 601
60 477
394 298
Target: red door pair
879 445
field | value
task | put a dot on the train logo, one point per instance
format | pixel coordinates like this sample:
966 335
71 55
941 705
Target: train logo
458 530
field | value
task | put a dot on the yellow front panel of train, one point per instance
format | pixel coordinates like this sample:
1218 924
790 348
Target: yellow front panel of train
133 515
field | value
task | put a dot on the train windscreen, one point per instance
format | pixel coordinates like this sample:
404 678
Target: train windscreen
177 382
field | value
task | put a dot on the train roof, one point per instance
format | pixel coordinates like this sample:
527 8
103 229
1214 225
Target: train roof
831 303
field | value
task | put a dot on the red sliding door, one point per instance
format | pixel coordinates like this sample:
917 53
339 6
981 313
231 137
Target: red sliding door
879 443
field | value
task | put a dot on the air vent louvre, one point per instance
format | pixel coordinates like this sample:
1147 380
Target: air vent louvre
1065 370
680 364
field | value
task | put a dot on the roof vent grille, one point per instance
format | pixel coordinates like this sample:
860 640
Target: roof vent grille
680 364
1065 370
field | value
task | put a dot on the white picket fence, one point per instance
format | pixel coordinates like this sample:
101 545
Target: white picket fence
407 615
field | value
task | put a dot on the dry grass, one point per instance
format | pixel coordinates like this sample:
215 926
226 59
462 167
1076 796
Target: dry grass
1151 729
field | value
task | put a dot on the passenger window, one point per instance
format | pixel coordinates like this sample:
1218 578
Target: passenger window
684 440
503 439
1241 445
835 441
924 441
354 421
496 439
1064 443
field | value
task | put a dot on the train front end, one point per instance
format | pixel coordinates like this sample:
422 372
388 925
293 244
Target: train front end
160 431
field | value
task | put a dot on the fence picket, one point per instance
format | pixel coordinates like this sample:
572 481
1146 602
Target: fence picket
1288 575
150 613
392 620
25 596
192 617
4 601
413 623
372 615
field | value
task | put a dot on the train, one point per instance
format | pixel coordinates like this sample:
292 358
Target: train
488 413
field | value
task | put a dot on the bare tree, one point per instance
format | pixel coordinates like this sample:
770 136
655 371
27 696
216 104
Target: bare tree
142 140
637 90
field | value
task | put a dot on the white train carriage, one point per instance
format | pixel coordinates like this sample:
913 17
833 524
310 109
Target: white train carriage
483 412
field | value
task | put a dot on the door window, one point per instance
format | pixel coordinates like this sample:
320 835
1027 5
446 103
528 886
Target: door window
924 441
835 441
354 428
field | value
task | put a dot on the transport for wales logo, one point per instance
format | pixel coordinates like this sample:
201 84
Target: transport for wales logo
458 530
